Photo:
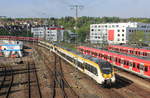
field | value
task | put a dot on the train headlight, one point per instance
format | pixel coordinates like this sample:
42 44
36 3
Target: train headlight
107 76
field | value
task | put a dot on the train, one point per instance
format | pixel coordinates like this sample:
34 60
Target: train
19 38
130 50
134 65
99 70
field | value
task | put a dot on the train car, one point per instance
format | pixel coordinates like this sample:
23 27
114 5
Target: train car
134 65
19 38
130 50
11 50
99 70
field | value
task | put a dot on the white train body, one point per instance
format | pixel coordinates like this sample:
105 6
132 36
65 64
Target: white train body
86 66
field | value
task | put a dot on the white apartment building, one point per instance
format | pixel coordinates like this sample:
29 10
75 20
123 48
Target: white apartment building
48 33
115 33
38 32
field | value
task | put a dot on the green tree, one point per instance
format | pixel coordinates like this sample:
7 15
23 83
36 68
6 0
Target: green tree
137 37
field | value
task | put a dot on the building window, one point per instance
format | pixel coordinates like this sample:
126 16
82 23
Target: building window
118 39
123 39
117 25
118 34
122 30
92 29
129 30
118 30
122 34
99 30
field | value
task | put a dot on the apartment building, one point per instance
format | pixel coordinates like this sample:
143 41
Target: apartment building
48 33
115 33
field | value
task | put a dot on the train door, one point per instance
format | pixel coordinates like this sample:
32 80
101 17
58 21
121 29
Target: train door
110 59
147 70
130 64
126 64
144 54
135 67
80 65
117 61
122 62
141 67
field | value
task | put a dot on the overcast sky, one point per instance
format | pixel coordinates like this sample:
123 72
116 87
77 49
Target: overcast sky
61 8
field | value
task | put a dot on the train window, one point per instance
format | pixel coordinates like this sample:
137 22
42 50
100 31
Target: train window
130 63
145 54
119 61
138 66
87 66
127 62
141 67
116 59
122 61
133 64
95 54
69 58
106 56
94 71
139 53
92 53
91 69
102 55
99 55
136 52
79 64
146 69
106 67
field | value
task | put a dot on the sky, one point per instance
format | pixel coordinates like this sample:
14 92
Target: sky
62 8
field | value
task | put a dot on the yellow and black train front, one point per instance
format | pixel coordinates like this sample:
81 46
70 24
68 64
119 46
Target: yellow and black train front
107 72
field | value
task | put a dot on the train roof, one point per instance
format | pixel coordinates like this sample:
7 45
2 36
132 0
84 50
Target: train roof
129 58
130 48
96 60
140 57
87 56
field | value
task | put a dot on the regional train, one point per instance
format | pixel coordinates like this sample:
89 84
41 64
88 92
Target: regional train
99 70
130 50
134 65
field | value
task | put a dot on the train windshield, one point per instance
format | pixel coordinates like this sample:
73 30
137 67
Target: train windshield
106 67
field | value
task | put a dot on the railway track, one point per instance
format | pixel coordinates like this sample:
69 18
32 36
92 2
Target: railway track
123 88
60 86
59 80
7 81
33 81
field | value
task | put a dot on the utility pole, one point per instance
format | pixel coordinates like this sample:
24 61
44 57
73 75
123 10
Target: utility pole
76 8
